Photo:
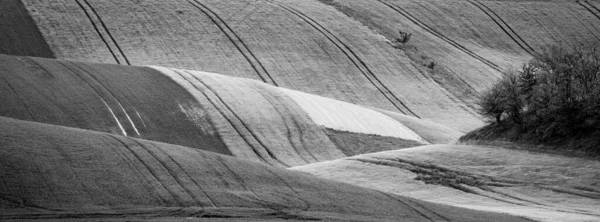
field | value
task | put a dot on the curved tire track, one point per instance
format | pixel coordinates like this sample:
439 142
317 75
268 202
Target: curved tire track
102 91
20 99
439 35
119 57
236 41
179 173
588 6
504 26
355 59
236 122
148 167
283 112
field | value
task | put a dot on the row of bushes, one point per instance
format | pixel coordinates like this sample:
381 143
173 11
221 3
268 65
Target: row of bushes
555 95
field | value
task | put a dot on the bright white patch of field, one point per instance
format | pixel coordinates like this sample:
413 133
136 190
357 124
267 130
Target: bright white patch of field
345 116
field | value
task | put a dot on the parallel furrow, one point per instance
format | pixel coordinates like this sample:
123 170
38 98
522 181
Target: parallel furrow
101 28
152 172
101 90
237 42
423 214
288 130
298 195
235 121
439 35
241 181
127 103
355 59
244 125
178 176
504 26
101 94
591 8
168 172
20 100
440 216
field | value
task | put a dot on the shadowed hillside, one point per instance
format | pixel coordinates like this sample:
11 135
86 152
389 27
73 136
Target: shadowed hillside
276 110
233 116
56 172
20 35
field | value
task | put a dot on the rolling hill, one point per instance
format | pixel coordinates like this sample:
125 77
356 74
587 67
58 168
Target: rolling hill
52 172
542 187
277 110
228 115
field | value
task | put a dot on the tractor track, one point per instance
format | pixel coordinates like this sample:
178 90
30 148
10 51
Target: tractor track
241 121
355 59
288 129
103 26
504 26
439 35
235 39
152 171
178 172
20 99
588 6
101 90
136 158
269 157
585 23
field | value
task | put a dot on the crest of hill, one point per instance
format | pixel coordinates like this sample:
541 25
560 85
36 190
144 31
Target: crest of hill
232 116
305 46
60 172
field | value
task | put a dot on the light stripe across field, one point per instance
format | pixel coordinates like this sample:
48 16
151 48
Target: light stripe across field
257 121
345 116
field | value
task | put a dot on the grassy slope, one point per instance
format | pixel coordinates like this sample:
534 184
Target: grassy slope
459 37
431 132
135 101
240 117
338 115
53 171
20 35
352 144
550 23
290 43
387 21
257 121
538 186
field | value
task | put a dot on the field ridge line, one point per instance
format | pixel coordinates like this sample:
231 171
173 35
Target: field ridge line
354 58
235 39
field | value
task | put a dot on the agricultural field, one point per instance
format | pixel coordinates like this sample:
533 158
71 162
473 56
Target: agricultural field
277 110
